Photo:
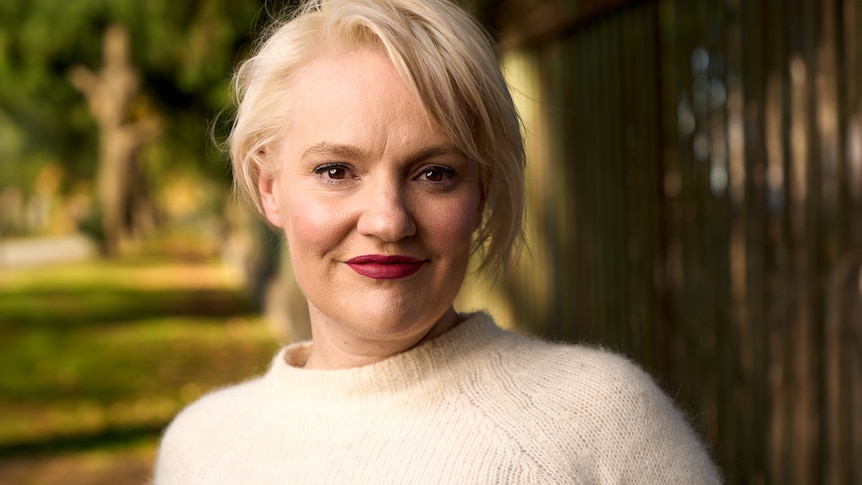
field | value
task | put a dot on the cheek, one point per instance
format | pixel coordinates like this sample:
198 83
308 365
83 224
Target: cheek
311 227
453 224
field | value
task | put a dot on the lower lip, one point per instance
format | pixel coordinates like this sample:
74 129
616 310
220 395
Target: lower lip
380 271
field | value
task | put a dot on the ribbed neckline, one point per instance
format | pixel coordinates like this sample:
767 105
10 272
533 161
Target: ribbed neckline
432 368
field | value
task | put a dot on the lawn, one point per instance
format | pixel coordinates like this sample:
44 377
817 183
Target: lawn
97 357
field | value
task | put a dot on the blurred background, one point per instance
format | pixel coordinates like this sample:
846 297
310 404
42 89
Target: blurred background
694 186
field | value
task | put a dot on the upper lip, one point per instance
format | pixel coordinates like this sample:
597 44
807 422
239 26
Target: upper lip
382 259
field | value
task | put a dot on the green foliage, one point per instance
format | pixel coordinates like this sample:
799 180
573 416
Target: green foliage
185 52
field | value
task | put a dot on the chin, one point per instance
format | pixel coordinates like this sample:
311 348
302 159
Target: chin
386 322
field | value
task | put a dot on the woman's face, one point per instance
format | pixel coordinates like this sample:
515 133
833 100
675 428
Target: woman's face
377 206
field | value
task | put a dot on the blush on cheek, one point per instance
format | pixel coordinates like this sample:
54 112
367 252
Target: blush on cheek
315 226
464 221
310 228
459 231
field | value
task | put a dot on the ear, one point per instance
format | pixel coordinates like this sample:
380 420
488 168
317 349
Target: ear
268 189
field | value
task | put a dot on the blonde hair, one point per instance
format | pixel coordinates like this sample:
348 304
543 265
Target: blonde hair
441 53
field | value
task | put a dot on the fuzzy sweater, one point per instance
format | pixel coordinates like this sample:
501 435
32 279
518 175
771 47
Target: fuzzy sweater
477 405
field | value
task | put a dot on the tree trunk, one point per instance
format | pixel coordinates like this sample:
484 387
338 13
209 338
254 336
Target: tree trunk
110 93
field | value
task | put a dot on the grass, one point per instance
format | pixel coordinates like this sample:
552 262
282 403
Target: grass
97 357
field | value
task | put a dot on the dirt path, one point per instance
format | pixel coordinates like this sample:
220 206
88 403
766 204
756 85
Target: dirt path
28 252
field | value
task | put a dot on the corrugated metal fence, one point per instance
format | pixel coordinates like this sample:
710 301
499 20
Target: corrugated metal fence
695 191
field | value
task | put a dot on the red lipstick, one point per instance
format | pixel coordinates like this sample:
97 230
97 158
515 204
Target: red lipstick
380 267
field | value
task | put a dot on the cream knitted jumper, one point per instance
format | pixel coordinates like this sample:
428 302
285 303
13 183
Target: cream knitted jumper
477 405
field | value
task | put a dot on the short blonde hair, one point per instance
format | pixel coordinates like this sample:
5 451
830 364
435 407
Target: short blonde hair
441 53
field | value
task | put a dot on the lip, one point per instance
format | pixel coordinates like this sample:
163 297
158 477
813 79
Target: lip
383 267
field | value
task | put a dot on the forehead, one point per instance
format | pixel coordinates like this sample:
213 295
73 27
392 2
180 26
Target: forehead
339 74
354 97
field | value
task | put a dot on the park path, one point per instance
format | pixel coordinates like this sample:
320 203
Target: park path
16 253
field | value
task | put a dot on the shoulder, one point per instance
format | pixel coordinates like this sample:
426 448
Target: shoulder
587 367
614 391
610 413
601 373
210 423
586 379
568 376
218 403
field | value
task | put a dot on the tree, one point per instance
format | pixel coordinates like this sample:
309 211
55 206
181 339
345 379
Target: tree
182 54
110 93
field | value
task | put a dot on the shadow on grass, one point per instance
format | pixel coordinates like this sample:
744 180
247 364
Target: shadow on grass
72 308
79 442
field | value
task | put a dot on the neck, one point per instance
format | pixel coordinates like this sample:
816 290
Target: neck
334 349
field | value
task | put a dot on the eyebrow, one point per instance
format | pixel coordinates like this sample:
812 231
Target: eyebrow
436 151
334 150
326 149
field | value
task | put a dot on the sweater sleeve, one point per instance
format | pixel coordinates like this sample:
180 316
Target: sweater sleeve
644 437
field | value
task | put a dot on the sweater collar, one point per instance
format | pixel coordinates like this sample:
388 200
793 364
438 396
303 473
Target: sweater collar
432 368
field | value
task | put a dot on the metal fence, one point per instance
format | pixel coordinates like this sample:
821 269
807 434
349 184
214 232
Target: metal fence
695 189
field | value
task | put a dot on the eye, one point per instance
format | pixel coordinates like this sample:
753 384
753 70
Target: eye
332 171
437 174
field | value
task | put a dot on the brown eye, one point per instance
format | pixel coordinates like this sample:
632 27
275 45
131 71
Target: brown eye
332 171
434 175
437 174
337 173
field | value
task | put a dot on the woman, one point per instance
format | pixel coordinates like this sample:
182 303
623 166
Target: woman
379 138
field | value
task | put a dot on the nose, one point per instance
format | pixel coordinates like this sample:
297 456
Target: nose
385 214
